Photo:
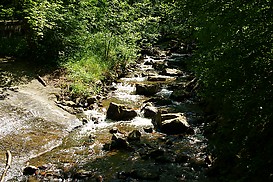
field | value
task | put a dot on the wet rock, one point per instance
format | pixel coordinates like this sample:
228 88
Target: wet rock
114 130
69 103
172 72
120 112
148 62
157 153
106 146
159 101
81 174
180 95
173 123
91 100
148 73
159 65
119 142
157 121
182 158
171 116
145 173
176 63
45 166
157 78
175 126
146 90
192 85
30 170
3 96
149 111
84 121
14 89
148 130
134 136
91 138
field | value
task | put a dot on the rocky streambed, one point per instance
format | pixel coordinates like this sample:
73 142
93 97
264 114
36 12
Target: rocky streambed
146 126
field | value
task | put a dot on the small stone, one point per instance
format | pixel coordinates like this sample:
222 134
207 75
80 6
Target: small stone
134 136
99 178
30 170
122 175
84 121
114 130
83 174
157 152
148 130
69 103
90 100
182 158
119 142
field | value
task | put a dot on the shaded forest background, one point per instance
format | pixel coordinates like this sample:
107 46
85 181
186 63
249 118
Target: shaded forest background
232 59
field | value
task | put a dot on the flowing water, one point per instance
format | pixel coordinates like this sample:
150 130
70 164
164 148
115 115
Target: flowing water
37 132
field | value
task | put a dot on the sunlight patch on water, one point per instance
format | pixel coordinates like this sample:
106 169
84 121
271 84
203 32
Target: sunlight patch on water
124 87
125 92
139 121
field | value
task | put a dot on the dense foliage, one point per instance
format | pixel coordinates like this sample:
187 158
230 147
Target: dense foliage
88 37
234 63
233 60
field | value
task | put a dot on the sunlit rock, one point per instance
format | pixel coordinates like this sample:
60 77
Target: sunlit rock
173 123
120 112
172 72
147 90
69 103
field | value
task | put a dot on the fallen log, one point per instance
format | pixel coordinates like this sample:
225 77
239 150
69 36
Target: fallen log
41 80
8 164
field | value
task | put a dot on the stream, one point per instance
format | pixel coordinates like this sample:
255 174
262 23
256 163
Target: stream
88 146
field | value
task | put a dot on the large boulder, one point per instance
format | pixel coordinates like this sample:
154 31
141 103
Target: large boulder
119 112
172 123
147 90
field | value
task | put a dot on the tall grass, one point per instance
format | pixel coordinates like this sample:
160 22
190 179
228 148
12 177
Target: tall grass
103 55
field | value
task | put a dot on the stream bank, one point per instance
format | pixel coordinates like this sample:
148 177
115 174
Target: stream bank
132 147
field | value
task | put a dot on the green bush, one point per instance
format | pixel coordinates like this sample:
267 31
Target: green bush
13 46
234 63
